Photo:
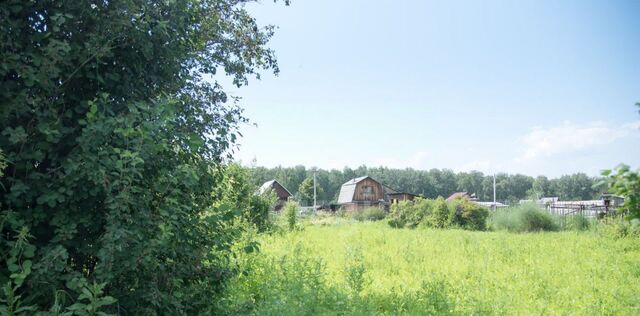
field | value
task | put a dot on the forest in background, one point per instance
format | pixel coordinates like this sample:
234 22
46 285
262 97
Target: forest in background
510 188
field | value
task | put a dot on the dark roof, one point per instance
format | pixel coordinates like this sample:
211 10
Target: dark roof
457 195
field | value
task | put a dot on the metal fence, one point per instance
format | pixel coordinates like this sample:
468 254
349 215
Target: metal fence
586 210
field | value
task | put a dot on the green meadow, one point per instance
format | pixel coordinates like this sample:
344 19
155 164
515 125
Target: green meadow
336 266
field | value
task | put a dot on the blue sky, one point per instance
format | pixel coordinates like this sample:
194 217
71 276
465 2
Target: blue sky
533 87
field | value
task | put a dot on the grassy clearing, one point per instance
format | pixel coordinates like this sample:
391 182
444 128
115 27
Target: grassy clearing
348 267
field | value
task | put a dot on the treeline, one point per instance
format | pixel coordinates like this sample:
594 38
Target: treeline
430 183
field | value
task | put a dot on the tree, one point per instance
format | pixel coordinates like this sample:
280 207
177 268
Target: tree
470 182
305 191
625 182
238 193
540 188
114 128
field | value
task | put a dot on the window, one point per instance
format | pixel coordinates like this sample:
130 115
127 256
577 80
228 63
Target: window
367 192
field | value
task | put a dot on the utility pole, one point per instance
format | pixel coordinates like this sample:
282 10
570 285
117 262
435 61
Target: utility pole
314 191
494 192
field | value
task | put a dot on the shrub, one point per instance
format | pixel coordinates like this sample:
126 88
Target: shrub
369 214
399 214
468 215
440 214
523 218
237 192
290 214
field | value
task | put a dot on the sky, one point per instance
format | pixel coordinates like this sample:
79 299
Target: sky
532 87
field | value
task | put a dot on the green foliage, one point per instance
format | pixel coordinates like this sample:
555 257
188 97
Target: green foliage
290 215
574 222
432 183
114 129
237 192
305 191
625 182
439 217
354 271
523 218
468 215
435 272
90 301
410 214
3 163
369 214
439 214
618 228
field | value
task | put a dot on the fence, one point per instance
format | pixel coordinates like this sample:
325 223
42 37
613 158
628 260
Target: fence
586 210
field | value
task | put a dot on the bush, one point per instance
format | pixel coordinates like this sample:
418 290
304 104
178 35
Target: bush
237 192
290 215
523 218
468 215
439 214
369 214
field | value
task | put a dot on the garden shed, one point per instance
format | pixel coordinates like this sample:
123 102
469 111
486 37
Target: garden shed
396 197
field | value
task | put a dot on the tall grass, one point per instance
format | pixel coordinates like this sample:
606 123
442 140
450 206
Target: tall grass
369 268
290 214
369 214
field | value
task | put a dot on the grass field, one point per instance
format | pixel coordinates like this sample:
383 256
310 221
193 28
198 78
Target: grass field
345 267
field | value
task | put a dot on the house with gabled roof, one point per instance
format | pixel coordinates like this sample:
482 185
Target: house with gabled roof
363 192
279 190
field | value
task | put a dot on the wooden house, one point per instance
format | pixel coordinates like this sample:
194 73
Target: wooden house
280 191
362 192
396 197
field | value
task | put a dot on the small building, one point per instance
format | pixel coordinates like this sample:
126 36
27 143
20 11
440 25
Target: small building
612 200
397 197
362 192
280 191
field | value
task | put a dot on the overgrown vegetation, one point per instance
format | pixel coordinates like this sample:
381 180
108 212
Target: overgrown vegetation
523 218
115 136
625 182
369 268
369 214
459 213
290 215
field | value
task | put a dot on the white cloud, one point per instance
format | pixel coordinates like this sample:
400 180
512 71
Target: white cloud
570 137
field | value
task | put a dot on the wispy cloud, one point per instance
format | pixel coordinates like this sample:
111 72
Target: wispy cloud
570 137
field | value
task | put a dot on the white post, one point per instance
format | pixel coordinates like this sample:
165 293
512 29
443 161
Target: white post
494 192
314 191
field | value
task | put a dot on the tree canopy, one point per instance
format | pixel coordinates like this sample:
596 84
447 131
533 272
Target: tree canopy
114 126
432 183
